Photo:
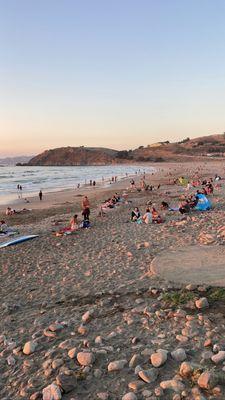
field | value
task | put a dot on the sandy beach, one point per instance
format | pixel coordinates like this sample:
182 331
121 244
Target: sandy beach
92 313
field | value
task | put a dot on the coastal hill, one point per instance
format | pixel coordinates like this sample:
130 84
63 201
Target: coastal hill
74 156
186 149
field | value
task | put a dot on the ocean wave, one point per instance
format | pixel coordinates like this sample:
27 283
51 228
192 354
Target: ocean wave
56 178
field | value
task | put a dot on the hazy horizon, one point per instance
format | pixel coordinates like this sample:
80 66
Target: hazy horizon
110 74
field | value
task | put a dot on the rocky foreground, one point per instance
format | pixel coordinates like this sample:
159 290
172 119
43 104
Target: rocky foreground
82 317
147 344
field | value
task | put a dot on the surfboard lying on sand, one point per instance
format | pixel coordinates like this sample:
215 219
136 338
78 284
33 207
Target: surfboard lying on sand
18 240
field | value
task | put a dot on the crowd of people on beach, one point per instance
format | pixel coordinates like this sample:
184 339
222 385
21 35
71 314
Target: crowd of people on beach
194 198
197 201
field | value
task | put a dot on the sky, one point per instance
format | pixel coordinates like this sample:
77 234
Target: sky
111 73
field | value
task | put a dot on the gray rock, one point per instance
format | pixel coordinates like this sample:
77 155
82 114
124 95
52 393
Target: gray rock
29 347
179 354
85 358
149 375
103 396
129 396
135 359
202 303
186 369
52 392
219 357
58 362
173 384
207 380
116 365
66 382
159 358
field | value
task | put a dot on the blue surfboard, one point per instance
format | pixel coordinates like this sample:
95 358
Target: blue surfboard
18 240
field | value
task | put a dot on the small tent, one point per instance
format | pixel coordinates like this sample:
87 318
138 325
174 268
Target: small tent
203 203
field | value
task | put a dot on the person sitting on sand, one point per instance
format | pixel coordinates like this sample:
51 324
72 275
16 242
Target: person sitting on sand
192 201
209 188
156 218
164 205
9 211
3 227
116 197
109 203
184 207
135 214
217 177
74 226
132 183
147 217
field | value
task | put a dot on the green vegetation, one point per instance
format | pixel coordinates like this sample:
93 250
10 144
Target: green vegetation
216 294
175 298
124 154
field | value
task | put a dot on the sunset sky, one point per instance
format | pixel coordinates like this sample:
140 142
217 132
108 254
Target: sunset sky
117 74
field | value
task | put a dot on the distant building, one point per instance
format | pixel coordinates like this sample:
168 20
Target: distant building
158 144
155 144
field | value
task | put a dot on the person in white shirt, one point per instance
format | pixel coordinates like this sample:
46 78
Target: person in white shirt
147 217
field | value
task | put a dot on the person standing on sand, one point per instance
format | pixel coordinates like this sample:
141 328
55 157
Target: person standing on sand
18 191
86 208
40 195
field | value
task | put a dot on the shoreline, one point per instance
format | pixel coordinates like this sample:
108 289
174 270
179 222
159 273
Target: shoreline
104 183
53 198
53 201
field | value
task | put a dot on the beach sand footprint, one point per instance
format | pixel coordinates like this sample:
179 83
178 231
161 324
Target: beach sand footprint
193 264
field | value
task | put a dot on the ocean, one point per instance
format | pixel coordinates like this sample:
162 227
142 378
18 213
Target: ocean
50 179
